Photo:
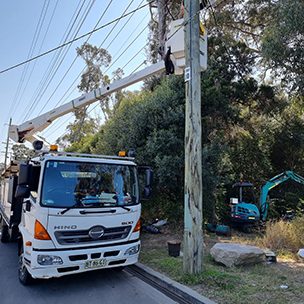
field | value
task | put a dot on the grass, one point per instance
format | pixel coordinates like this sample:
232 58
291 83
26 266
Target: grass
255 284
173 267
285 236
282 237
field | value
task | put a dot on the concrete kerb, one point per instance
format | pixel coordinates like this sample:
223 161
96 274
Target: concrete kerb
183 291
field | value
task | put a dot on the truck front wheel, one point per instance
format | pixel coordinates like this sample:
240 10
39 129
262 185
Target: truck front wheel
5 237
25 277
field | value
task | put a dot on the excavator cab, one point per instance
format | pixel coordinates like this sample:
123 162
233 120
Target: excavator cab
243 210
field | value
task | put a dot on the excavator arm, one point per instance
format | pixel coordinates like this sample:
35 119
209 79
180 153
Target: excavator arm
273 182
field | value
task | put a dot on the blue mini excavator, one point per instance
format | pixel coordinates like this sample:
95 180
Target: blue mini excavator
244 211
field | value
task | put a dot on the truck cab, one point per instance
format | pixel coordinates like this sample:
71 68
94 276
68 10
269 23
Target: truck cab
72 213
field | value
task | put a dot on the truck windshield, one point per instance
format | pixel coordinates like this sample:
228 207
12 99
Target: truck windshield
73 184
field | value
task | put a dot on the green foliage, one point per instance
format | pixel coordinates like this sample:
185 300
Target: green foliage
251 130
154 125
94 58
288 145
79 133
21 152
283 43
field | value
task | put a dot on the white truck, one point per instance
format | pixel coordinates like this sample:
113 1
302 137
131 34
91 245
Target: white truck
72 213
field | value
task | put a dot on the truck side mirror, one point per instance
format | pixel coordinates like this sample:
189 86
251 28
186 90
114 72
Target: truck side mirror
29 176
24 177
146 174
22 191
149 177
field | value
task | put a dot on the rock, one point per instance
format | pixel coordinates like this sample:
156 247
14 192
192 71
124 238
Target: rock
301 253
232 254
270 256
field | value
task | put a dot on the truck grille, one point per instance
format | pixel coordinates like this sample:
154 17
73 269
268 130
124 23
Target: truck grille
82 236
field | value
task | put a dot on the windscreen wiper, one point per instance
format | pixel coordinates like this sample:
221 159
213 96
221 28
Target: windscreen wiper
103 203
123 207
100 211
105 211
67 209
112 210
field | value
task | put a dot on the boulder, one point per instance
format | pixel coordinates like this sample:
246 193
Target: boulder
301 253
232 254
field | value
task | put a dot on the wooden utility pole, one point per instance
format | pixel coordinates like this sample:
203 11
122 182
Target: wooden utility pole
7 144
193 219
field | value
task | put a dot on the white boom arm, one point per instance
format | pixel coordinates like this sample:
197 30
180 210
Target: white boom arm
175 43
28 129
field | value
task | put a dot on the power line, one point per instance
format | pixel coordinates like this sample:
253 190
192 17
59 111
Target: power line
59 102
30 53
186 21
136 54
34 65
61 99
71 115
126 48
65 74
55 57
66 120
123 43
129 37
71 41
55 69
108 36
107 47
54 66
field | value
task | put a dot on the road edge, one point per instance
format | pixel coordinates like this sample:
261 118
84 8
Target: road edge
182 291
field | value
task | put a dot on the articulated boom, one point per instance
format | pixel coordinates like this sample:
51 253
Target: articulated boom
28 129
175 47
273 182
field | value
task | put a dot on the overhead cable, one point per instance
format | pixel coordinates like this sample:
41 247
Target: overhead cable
71 41
56 64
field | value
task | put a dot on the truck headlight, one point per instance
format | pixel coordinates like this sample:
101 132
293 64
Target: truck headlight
49 260
132 250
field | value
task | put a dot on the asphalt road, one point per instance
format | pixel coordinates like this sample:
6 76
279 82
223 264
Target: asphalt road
102 286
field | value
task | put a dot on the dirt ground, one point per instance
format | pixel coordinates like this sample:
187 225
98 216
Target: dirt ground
276 283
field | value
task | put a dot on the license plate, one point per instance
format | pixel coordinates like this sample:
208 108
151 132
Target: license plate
95 263
251 218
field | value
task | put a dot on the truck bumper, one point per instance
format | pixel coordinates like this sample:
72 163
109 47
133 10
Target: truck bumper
81 260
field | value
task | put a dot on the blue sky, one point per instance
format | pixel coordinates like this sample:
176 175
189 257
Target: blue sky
30 89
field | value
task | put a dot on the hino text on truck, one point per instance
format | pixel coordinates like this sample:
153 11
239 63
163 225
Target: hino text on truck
72 212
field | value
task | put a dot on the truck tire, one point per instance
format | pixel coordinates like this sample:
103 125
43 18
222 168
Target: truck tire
24 276
5 237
